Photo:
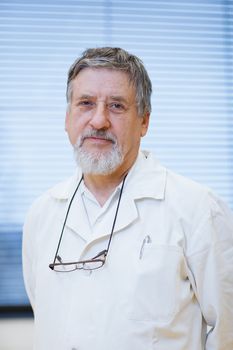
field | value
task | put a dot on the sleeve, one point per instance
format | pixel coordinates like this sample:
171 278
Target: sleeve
29 255
212 273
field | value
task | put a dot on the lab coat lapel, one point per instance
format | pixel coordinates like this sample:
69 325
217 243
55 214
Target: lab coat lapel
77 219
127 213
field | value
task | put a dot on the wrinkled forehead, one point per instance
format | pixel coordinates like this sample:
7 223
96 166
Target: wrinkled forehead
102 82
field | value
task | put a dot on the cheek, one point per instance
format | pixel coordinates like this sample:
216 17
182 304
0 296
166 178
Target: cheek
134 132
129 132
128 137
74 129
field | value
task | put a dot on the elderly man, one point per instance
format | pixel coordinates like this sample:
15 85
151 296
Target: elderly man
125 254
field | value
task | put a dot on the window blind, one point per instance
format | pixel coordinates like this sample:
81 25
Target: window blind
186 47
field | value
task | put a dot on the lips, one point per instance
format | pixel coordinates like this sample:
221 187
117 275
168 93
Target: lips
98 141
98 137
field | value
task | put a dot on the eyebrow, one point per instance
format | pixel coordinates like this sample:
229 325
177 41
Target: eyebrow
83 96
117 98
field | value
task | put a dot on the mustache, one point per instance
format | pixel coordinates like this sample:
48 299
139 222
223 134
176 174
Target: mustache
106 135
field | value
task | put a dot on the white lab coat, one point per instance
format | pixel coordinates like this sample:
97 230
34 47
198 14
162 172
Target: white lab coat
168 274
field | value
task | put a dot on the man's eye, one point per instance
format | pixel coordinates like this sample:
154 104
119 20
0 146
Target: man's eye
85 103
117 107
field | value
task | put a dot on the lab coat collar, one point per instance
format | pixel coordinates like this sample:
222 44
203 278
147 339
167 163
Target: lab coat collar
146 179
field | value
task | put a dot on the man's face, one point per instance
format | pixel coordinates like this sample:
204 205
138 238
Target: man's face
103 122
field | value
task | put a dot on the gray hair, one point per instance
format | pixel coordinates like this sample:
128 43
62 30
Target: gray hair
117 59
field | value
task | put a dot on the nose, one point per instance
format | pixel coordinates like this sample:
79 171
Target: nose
100 117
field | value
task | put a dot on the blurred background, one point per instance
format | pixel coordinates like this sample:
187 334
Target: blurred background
187 48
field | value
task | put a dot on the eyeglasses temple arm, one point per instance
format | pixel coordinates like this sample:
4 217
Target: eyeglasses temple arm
63 227
114 221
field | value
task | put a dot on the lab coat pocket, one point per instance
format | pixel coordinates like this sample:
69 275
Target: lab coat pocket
156 283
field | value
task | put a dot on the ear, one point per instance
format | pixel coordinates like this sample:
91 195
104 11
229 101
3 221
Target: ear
145 123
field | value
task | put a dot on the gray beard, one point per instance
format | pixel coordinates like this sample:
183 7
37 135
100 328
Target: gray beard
97 162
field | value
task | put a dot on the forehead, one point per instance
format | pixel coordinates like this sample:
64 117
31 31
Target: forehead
102 82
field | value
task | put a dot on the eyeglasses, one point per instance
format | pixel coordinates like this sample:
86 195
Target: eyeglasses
90 264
